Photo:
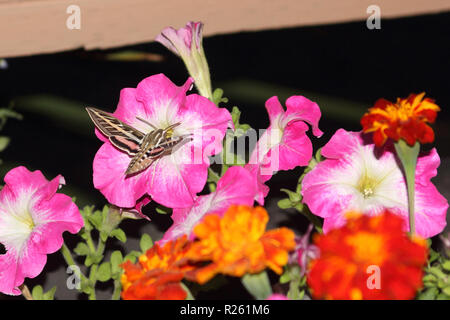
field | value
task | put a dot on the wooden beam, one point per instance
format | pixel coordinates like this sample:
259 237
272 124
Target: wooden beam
39 26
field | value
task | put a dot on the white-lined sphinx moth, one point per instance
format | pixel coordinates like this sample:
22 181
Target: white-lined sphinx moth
143 148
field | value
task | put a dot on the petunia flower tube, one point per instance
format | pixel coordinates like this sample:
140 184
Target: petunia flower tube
236 186
32 219
356 176
174 179
188 45
284 145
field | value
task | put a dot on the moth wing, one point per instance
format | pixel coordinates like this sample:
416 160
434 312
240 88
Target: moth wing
125 144
111 126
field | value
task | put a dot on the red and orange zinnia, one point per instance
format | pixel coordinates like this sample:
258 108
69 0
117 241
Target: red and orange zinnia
158 273
405 119
368 258
237 244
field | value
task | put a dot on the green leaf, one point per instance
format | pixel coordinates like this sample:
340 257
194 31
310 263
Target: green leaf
145 243
132 256
299 207
433 255
81 249
258 285
103 236
293 196
38 293
119 235
163 210
4 141
284 203
446 291
50 295
240 128
116 261
437 272
285 277
104 272
446 265
218 96
429 294
88 261
442 283
429 278
96 219
443 296
235 115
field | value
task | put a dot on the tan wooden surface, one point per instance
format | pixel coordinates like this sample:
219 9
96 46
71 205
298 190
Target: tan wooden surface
39 26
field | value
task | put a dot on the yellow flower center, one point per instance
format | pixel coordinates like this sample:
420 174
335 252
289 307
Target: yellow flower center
367 185
367 247
26 219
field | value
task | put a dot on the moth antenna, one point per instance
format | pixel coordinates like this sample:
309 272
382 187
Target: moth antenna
146 122
172 126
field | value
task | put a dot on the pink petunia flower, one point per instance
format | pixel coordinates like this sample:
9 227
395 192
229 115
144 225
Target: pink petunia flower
236 186
32 219
356 176
172 180
187 44
284 145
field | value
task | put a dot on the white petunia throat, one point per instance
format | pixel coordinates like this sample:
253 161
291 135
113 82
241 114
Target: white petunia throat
18 219
372 184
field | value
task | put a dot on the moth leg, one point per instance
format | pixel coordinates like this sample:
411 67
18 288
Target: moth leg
155 163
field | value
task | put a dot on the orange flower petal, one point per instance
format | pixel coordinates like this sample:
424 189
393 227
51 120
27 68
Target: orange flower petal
406 119
341 271
237 244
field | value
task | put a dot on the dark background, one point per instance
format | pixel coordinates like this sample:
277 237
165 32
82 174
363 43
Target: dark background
343 67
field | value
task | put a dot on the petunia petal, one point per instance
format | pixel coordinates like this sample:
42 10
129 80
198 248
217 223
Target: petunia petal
274 108
109 177
161 98
175 180
306 110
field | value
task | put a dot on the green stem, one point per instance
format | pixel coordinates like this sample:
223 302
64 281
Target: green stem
94 267
69 259
117 290
89 241
408 157
214 177
189 294
258 285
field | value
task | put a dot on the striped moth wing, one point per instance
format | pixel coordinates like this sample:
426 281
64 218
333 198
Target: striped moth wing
121 135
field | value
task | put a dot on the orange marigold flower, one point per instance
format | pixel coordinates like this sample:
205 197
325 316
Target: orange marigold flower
368 258
406 119
158 273
237 244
